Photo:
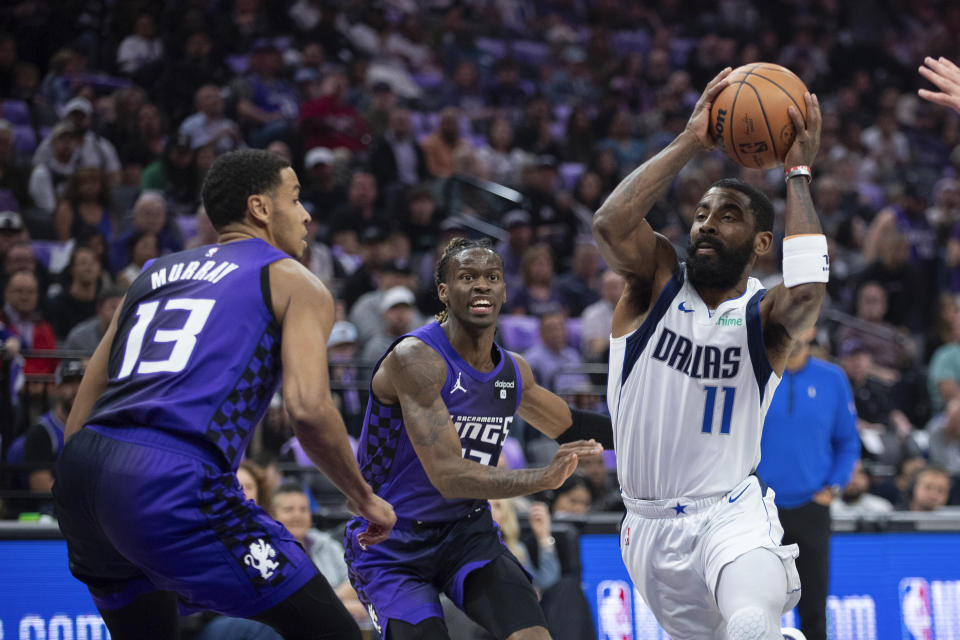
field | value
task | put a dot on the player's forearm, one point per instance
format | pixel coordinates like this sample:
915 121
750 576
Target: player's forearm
636 194
801 216
475 480
327 446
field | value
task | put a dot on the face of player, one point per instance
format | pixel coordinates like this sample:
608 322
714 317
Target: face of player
288 221
474 290
293 511
248 483
721 239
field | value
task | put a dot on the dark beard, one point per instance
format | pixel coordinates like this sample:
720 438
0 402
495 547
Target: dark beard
719 272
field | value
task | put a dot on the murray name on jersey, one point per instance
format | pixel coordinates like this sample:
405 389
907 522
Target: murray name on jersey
209 271
696 360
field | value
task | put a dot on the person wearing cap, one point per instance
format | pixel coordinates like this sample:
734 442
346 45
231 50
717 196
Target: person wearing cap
208 124
348 390
45 438
365 312
320 185
380 105
396 315
808 451
93 150
12 230
48 179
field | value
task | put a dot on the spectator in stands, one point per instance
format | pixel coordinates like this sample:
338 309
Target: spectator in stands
892 351
597 319
13 173
365 313
149 216
346 381
396 160
267 105
149 139
579 140
889 265
604 489
397 317
44 439
579 287
209 124
184 74
291 507
628 150
360 212
86 335
930 489
420 220
48 179
856 500
382 102
885 431
546 565
12 230
331 121
77 301
320 185
512 249
22 257
86 205
944 439
500 159
943 373
553 358
142 246
175 176
588 195
538 292
141 48
551 208
374 252
442 146
94 150
573 497
22 315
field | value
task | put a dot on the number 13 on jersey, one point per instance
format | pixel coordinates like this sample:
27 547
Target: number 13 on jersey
184 339
708 408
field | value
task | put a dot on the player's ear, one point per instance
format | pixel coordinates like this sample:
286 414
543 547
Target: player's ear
442 292
258 205
762 242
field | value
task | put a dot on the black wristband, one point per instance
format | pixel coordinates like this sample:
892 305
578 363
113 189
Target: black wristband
587 425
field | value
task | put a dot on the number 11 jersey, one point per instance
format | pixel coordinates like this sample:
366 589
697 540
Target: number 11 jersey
688 391
197 348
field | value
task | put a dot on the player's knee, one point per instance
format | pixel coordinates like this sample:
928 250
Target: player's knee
750 623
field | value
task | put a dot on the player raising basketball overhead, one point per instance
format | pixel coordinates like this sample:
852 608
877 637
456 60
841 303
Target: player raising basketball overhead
697 351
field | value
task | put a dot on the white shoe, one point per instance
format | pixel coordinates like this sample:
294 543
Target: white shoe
790 633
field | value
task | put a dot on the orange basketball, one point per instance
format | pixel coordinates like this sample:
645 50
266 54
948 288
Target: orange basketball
749 119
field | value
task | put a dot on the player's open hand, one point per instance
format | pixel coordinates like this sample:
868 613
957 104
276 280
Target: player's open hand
699 122
946 76
565 461
380 517
807 143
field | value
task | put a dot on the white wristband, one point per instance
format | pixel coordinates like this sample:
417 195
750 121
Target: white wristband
805 259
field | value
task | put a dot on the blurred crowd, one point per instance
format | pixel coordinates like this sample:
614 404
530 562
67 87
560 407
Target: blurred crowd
410 122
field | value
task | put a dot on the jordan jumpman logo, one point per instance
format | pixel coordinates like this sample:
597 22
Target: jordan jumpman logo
457 386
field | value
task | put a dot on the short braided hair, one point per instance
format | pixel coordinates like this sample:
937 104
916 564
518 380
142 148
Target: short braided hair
454 247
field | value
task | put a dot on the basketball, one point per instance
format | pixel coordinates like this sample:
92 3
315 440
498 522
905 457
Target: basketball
749 119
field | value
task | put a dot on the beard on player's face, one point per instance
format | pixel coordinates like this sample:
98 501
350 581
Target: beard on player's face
720 270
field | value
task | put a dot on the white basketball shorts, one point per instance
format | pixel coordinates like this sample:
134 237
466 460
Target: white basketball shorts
675 549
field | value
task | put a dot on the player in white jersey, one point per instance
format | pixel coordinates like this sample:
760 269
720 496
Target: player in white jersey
696 352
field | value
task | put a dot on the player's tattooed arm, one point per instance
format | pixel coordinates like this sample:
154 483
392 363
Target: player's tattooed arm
416 374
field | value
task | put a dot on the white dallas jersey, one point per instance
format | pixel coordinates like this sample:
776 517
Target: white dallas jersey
688 391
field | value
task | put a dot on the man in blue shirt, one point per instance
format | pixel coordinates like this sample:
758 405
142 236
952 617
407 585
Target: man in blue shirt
808 450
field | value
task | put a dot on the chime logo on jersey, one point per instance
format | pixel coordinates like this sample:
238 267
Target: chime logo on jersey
697 361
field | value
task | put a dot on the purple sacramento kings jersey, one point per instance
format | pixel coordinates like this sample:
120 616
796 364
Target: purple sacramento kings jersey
481 405
197 349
